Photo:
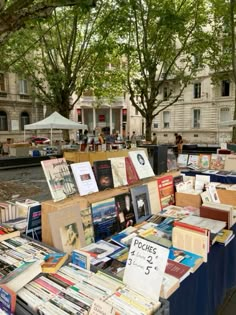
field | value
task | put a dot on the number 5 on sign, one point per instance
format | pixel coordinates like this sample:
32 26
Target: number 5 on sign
145 267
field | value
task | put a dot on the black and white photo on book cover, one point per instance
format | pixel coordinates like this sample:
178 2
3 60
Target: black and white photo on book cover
141 202
84 178
59 179
141 164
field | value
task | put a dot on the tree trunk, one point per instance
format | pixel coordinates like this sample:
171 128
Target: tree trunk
234 127
148 128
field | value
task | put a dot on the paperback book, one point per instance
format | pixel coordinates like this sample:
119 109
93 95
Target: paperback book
103 174
119 175
165 186
141 203
84 178
58 177
125 211
104 217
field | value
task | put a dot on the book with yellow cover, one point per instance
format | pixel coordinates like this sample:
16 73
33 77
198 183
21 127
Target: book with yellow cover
224 236
53 262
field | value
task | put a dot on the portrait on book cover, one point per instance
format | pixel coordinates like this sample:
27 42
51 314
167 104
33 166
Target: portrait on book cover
70 237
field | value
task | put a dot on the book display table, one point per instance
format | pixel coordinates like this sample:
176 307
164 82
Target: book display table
203 291
225 179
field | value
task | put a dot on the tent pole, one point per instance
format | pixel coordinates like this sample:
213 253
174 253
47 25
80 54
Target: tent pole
24 134
51 136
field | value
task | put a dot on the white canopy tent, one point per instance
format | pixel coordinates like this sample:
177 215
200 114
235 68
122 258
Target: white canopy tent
55 121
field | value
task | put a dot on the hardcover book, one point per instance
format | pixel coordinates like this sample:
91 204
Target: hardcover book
84 178
33 227
104 217
58 177
141 164
124 210
177 270
165 186
119 171
67 229
131 174
103 174
141 203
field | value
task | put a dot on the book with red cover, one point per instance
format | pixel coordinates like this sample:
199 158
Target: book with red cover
216 214
131 174
165 186
177 269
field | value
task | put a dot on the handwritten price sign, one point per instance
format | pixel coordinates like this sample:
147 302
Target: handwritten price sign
145 267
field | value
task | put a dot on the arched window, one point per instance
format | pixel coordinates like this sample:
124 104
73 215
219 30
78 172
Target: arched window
24 119
3 121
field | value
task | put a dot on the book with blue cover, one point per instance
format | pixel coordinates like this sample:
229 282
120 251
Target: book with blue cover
186 258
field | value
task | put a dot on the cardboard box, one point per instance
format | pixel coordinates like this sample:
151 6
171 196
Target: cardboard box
185 199
227 196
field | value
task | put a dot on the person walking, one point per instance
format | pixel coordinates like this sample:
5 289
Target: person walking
154 139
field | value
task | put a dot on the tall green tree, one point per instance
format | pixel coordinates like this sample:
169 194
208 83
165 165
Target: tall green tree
61 55
222 45
160 38
15 13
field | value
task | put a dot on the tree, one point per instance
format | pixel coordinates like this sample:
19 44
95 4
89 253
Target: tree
222 45
15 13
159 38
61 56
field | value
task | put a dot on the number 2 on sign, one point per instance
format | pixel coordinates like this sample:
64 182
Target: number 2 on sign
149 260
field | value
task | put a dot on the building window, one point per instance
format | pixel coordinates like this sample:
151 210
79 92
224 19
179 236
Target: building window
24 120
165 93
124 115
23 86
3 121
197 90
2 83
166 119
196 118
224 114
225 87
155 125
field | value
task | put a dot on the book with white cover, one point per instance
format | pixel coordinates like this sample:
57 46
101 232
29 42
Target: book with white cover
169 285
215 226
141 164
230 162
118 168
182 160
58 177
84 178
213 193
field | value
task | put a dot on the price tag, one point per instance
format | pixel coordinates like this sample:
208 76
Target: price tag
101 308
145 267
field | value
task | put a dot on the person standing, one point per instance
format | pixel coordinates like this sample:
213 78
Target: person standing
133 138
154 139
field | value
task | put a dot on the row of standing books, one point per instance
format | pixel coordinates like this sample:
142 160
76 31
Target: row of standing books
105 174
214 162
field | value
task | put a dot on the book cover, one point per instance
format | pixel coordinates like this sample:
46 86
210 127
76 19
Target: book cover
204 161
141 164
131 174
66 228
154 196
104 217
230 162
193 159
7 300
87 222
7 232
23 206
217 161
182 160
225 236
53 262
100 249
33 227
177 270
165 186
80 258
103 174
141 203
119 171
171 160
58 177
124 210
187 258
169 286
84 178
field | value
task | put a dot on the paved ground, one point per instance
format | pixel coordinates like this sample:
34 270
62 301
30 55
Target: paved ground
29 182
